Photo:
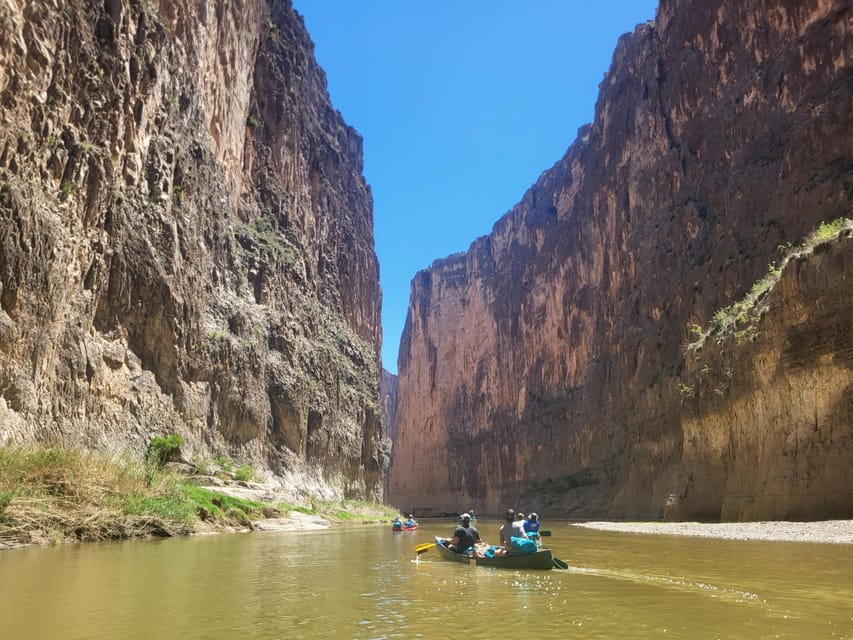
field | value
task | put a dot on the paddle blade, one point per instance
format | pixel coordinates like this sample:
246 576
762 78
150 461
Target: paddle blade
545 534
422 548
560 564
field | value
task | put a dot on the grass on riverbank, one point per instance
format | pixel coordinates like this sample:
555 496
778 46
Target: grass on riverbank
50 496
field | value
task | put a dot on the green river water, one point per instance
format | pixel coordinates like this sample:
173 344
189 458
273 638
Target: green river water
367 582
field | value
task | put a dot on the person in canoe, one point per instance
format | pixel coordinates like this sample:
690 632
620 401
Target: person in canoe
506 527
410 522
464 537
513 527
531 525
531 528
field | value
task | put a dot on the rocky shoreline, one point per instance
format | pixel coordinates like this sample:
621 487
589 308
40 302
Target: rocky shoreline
827 531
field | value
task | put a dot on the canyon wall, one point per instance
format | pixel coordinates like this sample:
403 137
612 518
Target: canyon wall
186 240
388 392
564 363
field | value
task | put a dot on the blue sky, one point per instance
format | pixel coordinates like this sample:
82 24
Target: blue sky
461 106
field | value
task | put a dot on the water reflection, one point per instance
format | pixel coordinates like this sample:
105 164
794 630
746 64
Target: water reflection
368 583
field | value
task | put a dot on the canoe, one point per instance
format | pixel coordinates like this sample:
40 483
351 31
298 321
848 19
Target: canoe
404 528
542 559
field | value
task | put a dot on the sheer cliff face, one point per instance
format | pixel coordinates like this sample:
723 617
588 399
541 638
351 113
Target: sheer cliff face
388 390
545 368
186 239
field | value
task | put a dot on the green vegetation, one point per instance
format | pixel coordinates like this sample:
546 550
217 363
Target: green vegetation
51 495
5 499
348 510
88 148
264 233
244 473
252 122
57 495
154 192
219 507
737 319
826 232
66 188
163 449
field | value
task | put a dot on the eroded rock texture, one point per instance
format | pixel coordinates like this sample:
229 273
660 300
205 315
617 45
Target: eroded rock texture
546 368
388 391
186 239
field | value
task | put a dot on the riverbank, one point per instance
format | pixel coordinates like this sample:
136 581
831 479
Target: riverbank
827 531
55 496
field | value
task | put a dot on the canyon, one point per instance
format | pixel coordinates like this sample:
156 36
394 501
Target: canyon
186 242
661 328
613 348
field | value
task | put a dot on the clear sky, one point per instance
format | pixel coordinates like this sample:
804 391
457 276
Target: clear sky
462 104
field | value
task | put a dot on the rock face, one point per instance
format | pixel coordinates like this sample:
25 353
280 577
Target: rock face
186 240
389 405
547 369
388 392
767 417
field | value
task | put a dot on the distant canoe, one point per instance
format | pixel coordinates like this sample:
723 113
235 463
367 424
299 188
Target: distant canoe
404 528
542 559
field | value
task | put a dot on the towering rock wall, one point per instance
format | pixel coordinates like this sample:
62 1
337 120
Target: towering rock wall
186 239
547 367
388 391
389 405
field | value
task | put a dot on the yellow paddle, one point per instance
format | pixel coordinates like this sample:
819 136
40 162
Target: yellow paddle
422 548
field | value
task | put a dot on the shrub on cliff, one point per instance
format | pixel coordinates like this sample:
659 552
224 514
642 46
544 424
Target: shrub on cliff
163 449
737 318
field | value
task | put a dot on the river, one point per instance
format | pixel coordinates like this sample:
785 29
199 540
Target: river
366 582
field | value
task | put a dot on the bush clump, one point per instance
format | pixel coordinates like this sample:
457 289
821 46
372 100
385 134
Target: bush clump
163 449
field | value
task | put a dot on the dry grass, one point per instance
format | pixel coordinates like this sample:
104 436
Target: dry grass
50 496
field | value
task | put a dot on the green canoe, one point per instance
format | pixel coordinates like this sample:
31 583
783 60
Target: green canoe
542 559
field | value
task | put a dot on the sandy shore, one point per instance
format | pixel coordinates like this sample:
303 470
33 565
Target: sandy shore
829 531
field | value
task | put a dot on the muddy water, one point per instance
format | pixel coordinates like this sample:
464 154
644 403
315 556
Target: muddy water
366 582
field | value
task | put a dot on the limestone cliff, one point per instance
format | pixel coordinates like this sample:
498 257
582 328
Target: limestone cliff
388 392
547 368
186 240
388 387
